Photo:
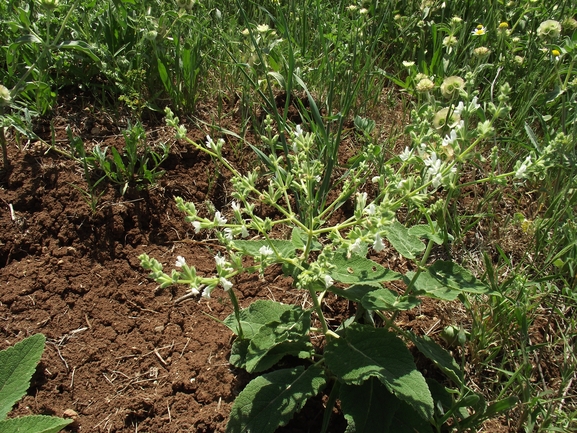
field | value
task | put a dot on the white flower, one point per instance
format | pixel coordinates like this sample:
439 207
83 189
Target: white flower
244 232
434 170
406 154
355 247
298 131
450 139
219 219
209 142
194 290
265 250
522 169
226 285
328 281
206 292
235 206
376 179
378 244
180 262
459 108
262 28
220 260
196 225
371 209
408 64
473 105
228 234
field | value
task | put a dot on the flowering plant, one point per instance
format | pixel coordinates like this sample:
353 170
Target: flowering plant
365 361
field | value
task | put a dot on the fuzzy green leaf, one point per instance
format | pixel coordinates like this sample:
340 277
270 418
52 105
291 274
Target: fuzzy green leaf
355 292
17 365
446 280
385 299
363 352
424 231
440 357
251 248
258 314
34 424
357 269
406 244
368 405
270 401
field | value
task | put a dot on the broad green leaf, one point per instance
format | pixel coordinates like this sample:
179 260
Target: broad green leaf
424 231
271 344
34 424
270 401
299 240
405 243
17 365
260 313
440 357
355 292
251 248
363 352
406 420
357 269
79 46
446 280
385 299
368 405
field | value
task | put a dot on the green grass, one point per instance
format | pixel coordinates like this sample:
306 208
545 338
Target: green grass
336 60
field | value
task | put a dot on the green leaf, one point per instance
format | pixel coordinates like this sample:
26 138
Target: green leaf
424 231
251 248
269 401
81 46
17 365
357 269
405 243
385 299
368 405
258 314
446 280
440 357
34 424
406 420
299 240
363 352
356 292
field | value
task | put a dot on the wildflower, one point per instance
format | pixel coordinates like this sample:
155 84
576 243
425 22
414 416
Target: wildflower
425 85
298 131
481 52
408 64
363 11
406 154
569 25
266 251
226 285
228 234
209 142
328 281
555 54
445 117
434 170
450 41
378 243
194 290
4 96
371 209
459 108
452 86
519 60
456 20
355 247
521 169
480 30
219 260
262 28
244 232
206 292
549 29
450 139
185 4
49 4
420 76
245 32
352 8
180 262
197 226
503 26
219 219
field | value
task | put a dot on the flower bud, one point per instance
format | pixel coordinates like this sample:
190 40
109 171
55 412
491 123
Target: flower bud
5 97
